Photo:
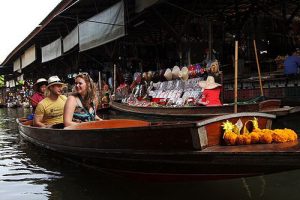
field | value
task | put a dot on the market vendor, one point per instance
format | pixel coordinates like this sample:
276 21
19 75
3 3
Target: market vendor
210 92
292 63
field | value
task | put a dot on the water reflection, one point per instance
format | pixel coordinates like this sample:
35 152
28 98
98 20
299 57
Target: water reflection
28 172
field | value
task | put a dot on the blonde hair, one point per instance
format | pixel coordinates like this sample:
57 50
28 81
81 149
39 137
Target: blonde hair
91 90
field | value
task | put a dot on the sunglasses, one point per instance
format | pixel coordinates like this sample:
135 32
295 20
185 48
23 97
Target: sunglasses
84 74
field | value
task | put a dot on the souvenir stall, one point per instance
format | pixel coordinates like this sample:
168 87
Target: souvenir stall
172 87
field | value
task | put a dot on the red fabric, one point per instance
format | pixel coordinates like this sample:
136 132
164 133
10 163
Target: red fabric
211 97
36 98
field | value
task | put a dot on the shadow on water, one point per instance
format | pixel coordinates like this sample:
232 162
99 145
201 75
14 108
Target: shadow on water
28 172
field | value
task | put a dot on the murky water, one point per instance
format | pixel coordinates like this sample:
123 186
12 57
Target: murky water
28 172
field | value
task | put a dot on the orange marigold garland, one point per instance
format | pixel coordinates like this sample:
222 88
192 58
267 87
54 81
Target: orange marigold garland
229 136
232 135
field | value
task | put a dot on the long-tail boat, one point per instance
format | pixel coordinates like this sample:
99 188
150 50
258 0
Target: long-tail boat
166 151
271 106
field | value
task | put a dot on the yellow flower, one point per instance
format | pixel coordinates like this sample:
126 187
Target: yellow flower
242 139
292 135
254 137
227 126
230 138
247 138
266 136
255 124
279 136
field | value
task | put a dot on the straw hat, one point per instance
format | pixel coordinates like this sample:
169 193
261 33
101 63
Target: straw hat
175 72
162 75
168 74
184 74
145 76
214 66
209 83
39 82
54 80
150 75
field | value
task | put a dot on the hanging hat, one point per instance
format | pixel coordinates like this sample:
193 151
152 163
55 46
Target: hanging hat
156 77
150 75
168 74
162 75
38 83
192 71
175 72
214 67
145 76
137 77
209 83
184 74
54 80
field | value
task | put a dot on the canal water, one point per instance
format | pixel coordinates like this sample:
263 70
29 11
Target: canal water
28 172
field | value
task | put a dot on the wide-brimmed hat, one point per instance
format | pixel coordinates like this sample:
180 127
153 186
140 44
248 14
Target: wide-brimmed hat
54 80
175 72
209 83
38 83
184 74
168 74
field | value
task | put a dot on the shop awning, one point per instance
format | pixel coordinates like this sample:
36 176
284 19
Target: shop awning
71 40
28 57
17 65
102 28
52 50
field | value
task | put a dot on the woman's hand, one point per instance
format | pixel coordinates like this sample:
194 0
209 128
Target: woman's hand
97 118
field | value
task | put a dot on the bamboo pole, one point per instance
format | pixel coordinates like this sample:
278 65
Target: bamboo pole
236 75
258 69
115 78
100 88
99 81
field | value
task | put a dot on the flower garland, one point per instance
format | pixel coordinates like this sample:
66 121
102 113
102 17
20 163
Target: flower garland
232 135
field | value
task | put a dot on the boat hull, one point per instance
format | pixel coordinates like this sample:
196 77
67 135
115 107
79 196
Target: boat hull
167 151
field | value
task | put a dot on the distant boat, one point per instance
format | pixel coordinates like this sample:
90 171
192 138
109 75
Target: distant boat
272 106
166 151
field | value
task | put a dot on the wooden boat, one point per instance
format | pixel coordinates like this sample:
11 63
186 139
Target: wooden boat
166 151
272 106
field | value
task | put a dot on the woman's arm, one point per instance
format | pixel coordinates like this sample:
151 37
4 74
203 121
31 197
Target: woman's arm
69 111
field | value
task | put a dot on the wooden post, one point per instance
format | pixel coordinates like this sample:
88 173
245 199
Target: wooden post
258 69
115 78
100 81
209 41
100 88
236 75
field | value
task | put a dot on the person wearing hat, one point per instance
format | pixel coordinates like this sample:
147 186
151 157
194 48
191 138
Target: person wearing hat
49 111
81 106
39 87
210 92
